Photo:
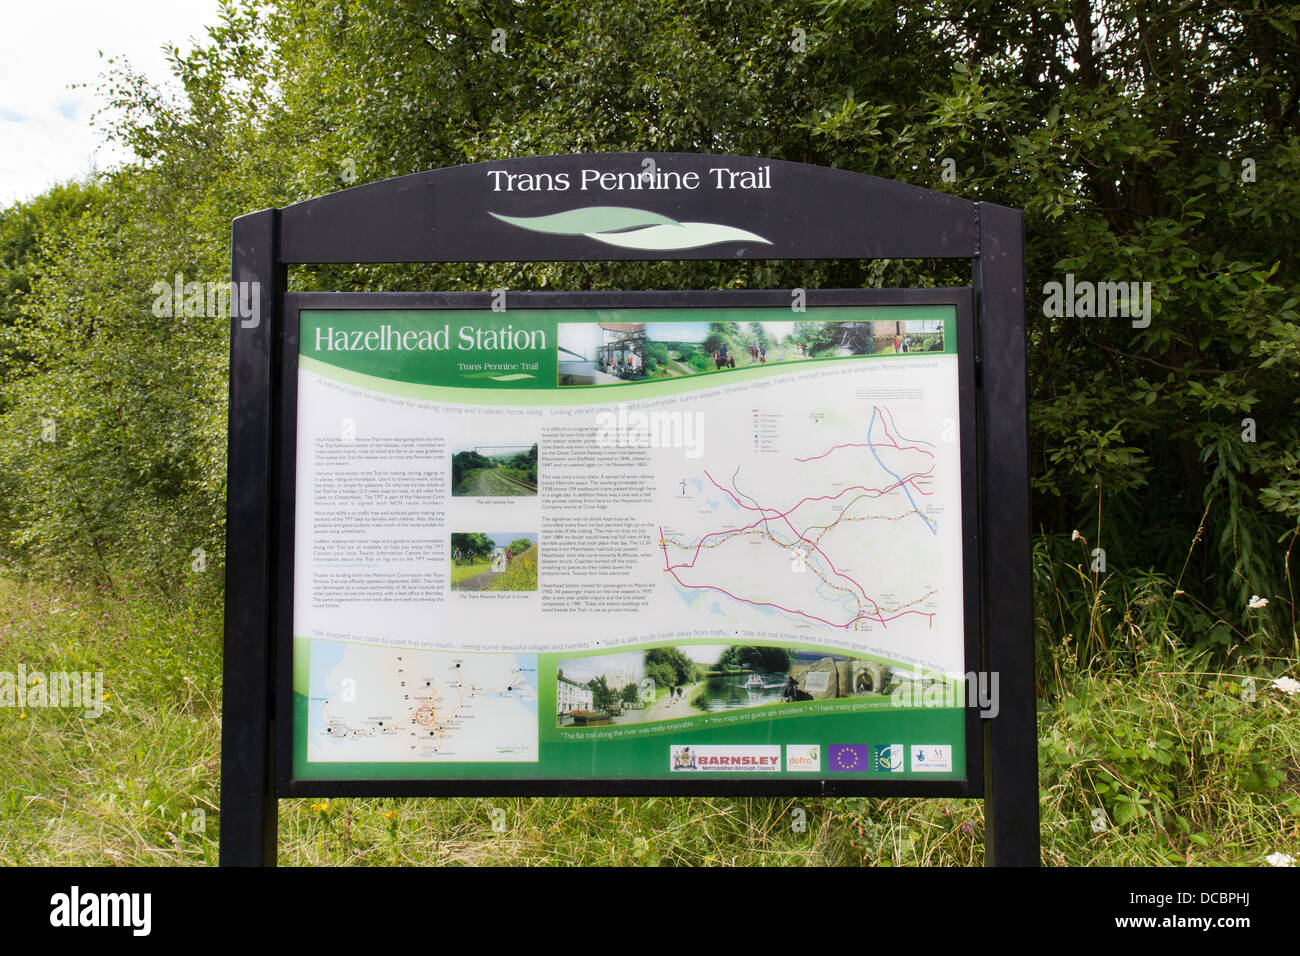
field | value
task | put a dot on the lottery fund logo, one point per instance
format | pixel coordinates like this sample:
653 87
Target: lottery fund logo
802 758
887 758
932 758
724 759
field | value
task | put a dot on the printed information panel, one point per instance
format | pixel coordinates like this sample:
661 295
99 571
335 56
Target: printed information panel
634 543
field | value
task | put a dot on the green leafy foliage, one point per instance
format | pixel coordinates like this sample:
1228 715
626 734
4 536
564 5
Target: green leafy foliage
1145 143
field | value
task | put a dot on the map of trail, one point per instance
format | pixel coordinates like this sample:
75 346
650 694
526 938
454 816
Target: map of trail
839 530
396 704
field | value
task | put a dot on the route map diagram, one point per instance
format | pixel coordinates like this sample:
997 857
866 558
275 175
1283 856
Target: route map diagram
399 704
838 523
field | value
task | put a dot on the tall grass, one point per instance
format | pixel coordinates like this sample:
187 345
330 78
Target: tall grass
1150 753
139 784
520 575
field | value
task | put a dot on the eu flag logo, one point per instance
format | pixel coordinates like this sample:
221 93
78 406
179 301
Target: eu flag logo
850 758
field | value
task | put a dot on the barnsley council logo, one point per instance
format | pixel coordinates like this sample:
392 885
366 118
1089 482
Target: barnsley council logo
887 757
751 759
683 758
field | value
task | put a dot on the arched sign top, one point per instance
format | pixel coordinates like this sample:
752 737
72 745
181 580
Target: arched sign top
594 206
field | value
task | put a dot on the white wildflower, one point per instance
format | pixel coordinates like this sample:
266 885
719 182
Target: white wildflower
1257 602
1287 685
1280 859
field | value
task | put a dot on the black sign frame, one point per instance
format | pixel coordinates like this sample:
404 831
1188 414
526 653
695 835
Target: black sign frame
422 218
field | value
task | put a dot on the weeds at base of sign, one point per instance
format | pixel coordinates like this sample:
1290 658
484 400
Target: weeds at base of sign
122 801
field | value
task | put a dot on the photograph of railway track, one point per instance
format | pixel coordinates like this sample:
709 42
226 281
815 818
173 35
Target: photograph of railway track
494 470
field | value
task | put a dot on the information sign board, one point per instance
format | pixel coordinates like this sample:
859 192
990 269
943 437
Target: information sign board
710 542
607 539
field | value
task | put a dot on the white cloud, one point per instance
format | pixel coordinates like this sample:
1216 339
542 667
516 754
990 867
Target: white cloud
52 54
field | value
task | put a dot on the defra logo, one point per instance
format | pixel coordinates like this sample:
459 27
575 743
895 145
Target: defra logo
803 758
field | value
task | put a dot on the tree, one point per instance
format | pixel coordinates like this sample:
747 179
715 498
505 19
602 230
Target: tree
602 697
668 666
524 464
816 337
719 337
464 462
473 544
1149 142
771 660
